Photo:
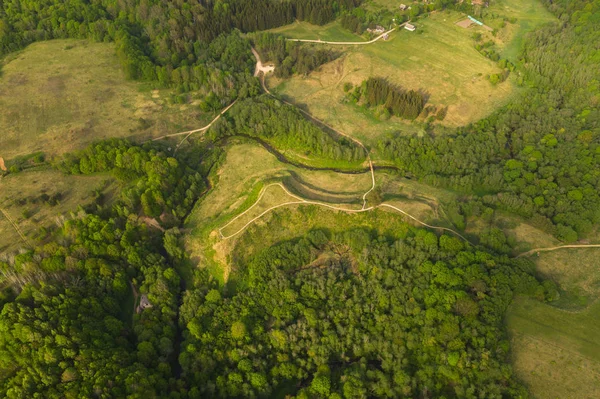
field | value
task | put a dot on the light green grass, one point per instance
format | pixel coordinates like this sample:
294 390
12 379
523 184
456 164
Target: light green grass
29 186
556 350
249 167
530 14
441 60
332 32
60 95
556 353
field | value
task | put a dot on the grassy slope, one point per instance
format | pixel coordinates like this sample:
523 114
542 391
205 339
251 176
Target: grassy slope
249 167
556 353
441 60
60 95
557 350
332 32
75 190
530 15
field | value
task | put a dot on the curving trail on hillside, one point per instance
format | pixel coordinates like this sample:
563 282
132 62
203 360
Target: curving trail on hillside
15 226
190 132
302 201
549 249
349 43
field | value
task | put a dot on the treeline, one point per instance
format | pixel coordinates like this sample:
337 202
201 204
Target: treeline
375 92
68 326
324 330
291 57
181 44
286 129
540 156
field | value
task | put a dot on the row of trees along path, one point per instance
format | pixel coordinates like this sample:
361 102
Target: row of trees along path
261 71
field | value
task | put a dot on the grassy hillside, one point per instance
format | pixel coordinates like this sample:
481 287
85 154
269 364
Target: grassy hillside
60 95
39 201
438 58
331 32
556 350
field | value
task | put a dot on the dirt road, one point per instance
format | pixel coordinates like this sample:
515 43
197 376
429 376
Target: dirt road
349 43
533 251
15 226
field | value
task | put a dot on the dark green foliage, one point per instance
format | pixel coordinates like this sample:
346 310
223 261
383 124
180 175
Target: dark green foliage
66 327
405 317
171 42
163 186
284 127
291 57
539 157
403 103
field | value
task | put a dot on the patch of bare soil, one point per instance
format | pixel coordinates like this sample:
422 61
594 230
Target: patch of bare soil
2 166
465 23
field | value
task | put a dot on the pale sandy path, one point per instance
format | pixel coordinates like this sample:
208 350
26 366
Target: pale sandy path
349 43
531 252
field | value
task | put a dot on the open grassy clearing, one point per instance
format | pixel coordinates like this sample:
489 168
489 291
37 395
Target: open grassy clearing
530 14
556 349
556 353
22 197
576 271
332 32
248 168
524 235
60 95
440 60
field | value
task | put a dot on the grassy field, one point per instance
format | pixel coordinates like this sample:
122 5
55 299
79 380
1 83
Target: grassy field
556 350
530 14
439 58
59 95
556 353
332 32
248 168
21 198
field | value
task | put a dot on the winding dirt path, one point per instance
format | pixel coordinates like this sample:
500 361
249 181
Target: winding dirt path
349 43
300 200
188 133
549 249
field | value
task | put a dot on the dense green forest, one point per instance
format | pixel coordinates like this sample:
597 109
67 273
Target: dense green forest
190 45
421 316
347 315
66 330
286 129
540 156
395 100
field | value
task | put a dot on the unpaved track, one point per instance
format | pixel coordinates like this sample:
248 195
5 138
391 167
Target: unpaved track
549 249
190 132
15 226
349 43
300 200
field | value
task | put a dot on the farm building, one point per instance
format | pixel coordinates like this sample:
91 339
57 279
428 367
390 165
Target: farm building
410 27
403 7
